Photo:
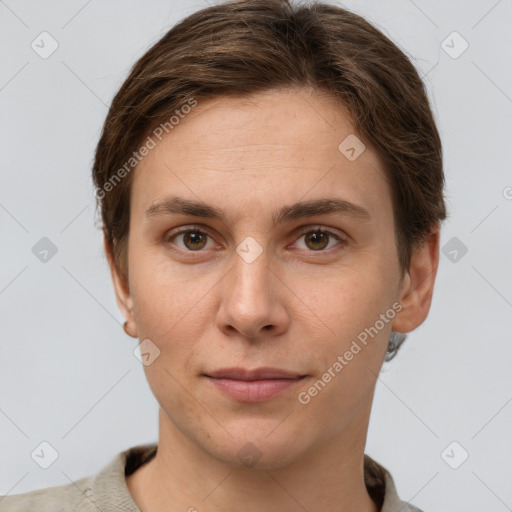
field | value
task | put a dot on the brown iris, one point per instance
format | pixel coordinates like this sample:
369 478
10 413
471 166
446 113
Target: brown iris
318 239
197 240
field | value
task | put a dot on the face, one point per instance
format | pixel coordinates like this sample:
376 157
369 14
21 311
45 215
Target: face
250 281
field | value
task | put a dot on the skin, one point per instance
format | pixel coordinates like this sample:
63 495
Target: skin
207 308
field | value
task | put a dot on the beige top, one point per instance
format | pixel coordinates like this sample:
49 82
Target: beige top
107 491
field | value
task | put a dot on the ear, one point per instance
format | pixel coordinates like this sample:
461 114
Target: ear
418 284
122 290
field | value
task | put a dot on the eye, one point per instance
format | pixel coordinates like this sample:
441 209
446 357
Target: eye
317 238
194 239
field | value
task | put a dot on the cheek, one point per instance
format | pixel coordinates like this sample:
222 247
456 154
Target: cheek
354 345
354 305
164 293
168 314
350 299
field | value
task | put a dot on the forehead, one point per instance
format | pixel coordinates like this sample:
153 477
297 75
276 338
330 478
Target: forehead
276 146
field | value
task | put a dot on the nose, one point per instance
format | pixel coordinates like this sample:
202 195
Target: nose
253 301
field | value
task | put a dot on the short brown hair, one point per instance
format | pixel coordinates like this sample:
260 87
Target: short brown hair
243 47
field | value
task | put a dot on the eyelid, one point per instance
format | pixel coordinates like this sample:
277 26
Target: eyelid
340 236
300 231
324 229
184 229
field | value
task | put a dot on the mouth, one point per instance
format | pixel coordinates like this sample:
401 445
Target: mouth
255 385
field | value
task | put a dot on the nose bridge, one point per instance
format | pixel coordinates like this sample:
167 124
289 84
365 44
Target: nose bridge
248 303
251 273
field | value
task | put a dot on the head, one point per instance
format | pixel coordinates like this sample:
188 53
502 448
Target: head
237 114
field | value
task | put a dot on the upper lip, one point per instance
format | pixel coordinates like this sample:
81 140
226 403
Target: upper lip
255 374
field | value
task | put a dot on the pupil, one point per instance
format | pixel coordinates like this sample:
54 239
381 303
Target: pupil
194 238
315 236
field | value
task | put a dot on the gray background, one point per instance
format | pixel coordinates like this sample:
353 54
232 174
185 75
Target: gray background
68 375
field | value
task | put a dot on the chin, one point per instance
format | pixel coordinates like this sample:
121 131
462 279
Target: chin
259 448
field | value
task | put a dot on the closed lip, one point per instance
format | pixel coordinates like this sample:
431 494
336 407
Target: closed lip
254 374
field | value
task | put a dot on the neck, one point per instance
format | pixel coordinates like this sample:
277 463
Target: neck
181 476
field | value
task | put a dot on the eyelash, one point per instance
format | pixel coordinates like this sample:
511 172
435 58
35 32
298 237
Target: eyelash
308 229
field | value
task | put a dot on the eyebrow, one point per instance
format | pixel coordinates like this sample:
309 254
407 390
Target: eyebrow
178 205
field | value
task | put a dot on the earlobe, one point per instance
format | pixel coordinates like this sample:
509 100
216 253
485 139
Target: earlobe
418 284
122 291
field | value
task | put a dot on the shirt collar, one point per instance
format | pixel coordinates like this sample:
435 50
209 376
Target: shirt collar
111 492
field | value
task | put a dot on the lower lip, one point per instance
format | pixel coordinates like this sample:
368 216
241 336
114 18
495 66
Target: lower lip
254 390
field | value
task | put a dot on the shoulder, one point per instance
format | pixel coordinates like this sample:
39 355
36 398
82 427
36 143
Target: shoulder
382 489
407 507
61 498
107 490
